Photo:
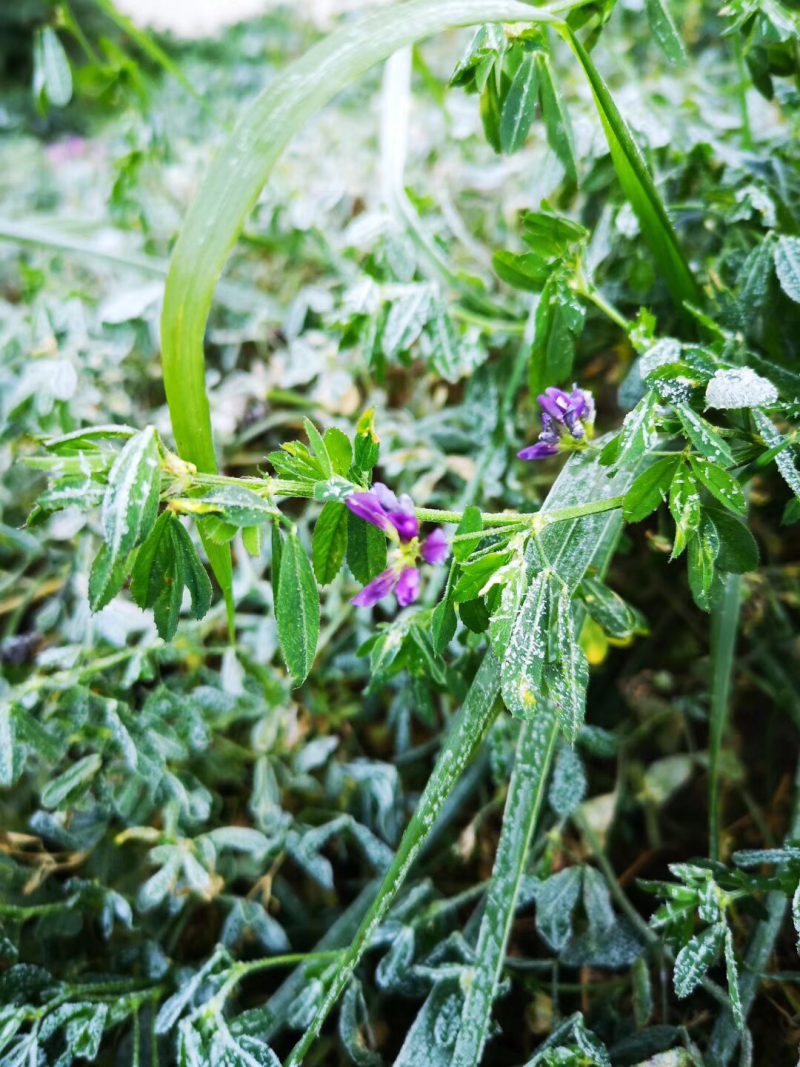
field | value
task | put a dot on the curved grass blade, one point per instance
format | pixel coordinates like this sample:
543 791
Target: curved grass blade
237 177
639 187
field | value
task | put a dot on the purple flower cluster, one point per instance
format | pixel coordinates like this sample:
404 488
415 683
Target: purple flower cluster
566 418
395 516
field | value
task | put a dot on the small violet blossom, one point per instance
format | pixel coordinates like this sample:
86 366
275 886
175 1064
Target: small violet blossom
395 516
567 420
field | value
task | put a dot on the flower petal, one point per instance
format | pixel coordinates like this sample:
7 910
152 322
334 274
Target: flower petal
554 402
407 587
541 450
435 548
377 589
406 525
385 495
368 507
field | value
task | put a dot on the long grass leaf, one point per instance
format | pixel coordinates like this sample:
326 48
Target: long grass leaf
588 541
237 177
639 187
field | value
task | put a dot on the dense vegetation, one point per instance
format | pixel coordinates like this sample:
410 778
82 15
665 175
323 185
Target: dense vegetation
435 710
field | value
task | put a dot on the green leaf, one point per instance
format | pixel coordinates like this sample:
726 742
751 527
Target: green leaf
12 756
684 505
297 609
318 448
702 555
784 460
129 511
253 539
732 974
610 611
474 615
649 489
567 679
787 266
568 786
696 957
512 592
471 522
551 236
339 450
519 105
52 76
753 277
639 188
277 552
487 44
329 543
491 113
72 780
443 618
475 574
527 271
523 663
366 549
367 443
720 484
637 436
558 323
407 316
556 118
107 577
738 551
166 563
556 898
664 31
703 436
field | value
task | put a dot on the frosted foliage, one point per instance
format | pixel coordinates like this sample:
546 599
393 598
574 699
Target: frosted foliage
740 387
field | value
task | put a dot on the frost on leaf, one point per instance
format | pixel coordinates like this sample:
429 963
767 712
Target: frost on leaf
740 387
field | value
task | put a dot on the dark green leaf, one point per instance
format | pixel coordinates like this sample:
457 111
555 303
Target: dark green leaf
519 105
329 543
649 489
297 609
366 549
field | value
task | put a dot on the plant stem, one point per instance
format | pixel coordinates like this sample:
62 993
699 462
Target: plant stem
486 323
724 627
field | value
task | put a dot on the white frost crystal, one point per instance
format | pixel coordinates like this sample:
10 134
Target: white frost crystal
739 388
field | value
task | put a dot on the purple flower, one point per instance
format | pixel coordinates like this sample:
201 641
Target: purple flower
435 548
541 450
566 418
395 516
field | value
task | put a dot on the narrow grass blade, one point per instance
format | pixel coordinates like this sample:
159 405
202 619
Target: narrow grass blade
724 627
639 187
535 749
237 176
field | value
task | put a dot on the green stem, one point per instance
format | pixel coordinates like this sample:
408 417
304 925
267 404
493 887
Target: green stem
596 297
486 323
724 627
